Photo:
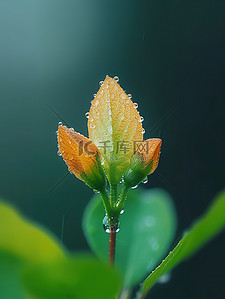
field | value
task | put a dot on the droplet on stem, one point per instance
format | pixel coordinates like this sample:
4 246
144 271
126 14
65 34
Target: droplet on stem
115 225
105 223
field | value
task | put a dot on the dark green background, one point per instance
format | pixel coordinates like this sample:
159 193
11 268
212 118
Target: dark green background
169 54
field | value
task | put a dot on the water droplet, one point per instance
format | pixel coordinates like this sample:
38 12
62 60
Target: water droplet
92 125
59 153
105 224
143 131
141 119
71 172
134 187
101 83
121 212
94 95
116 78
115 225
145 181
87 114
135 105
122 180
129 96
96 191
60 123
127 101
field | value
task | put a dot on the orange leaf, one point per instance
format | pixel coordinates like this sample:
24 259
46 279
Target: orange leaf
113 125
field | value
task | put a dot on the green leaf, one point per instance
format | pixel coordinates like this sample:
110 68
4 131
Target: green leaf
24 239
147 229
10 282
202 232
32 265
79 277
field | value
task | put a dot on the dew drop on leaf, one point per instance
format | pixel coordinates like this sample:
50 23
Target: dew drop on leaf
134 187
116 78
145 181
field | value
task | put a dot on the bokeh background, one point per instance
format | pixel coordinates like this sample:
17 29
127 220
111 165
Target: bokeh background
169 54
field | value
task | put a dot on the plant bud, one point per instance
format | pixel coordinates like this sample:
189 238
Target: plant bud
81 156
144 161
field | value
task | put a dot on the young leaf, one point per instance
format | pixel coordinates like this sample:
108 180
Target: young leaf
24 239
202 232
147 229
80 277
113 124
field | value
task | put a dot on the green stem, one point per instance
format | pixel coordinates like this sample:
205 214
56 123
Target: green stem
113 195
122 198
106 202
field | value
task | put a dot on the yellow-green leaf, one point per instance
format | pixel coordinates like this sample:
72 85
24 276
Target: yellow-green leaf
114 125
78 277
23 239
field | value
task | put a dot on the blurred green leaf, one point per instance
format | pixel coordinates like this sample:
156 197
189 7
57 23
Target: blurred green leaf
10 279
80 277
24 239
32 265
147 229
202 232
